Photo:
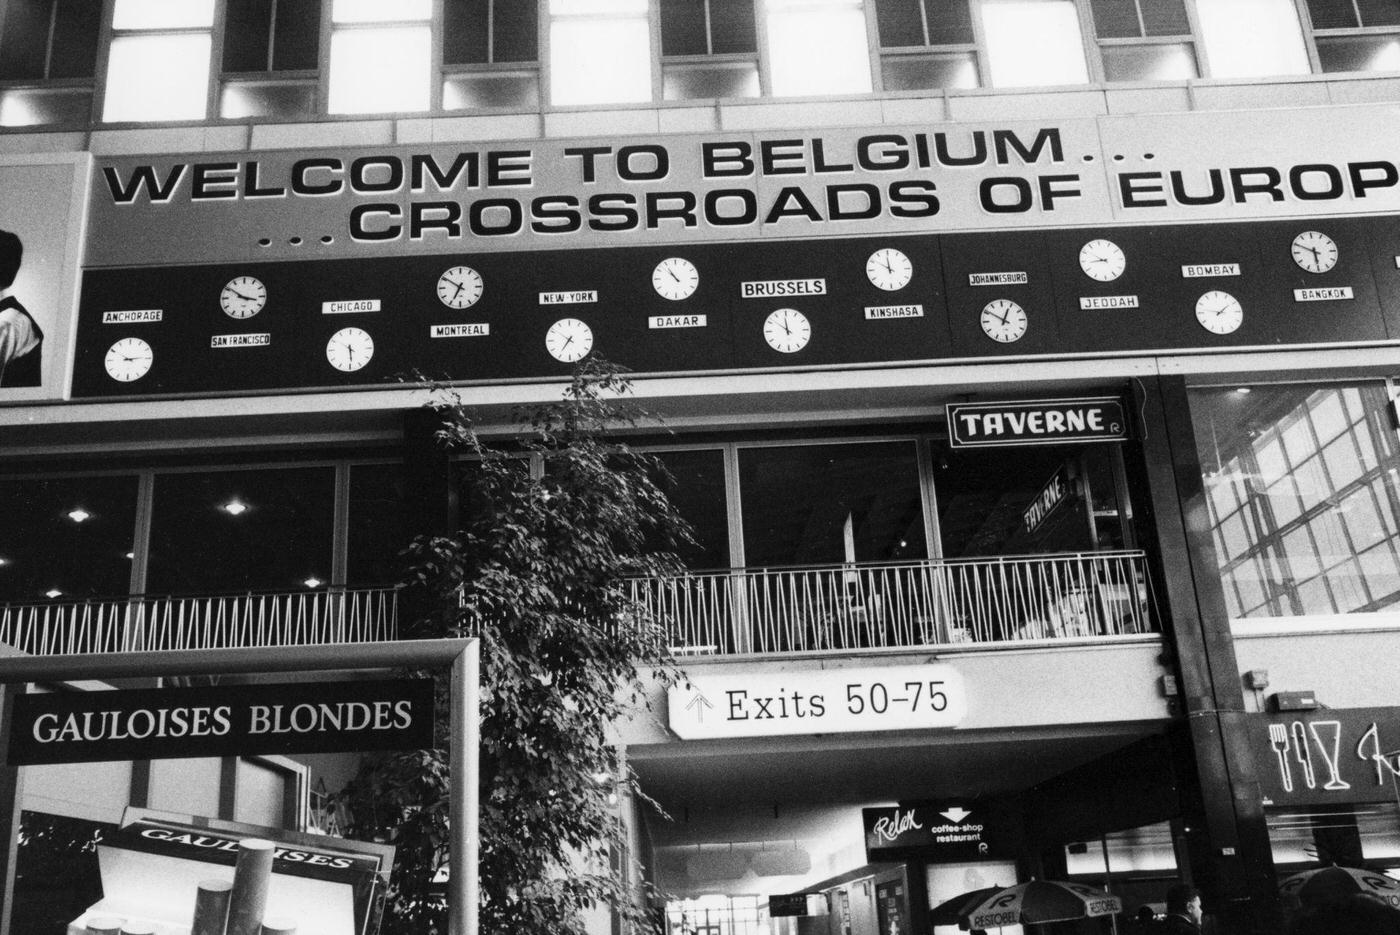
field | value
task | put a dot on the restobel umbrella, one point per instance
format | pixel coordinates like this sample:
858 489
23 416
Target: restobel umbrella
1039 901
1328 882
951 911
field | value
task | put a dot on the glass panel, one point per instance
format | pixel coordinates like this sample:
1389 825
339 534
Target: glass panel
462 92
1361 53
464 35
262 793
732 27
825 504
697 82
1116 19
380 70
517 28
1033 43
230 531
596 7
1149 62
25 107
26 39
1165 18
50 551
1379 13
914 73
1252 38
298 35
696 490
1332 14
818 51
900 23
949 22
75 39
578 45
377 11
683 29
157 78
377 531
247 30
243 99
162 14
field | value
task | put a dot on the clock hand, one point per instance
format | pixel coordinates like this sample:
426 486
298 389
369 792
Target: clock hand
459 288
245 298
673 274
888 268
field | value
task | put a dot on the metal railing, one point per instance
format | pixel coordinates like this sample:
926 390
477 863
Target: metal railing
145 624
927 603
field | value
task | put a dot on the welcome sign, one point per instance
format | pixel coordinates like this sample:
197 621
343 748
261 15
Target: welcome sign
165 723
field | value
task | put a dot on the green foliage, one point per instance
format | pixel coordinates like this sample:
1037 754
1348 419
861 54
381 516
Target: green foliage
542 573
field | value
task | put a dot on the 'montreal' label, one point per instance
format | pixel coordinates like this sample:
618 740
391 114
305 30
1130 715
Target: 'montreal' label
476 329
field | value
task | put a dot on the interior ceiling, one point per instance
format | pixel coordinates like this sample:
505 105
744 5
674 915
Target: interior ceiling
868 769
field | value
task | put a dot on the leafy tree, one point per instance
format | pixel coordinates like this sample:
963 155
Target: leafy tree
542 573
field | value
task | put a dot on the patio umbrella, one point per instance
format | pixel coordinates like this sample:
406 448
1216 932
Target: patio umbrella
1039 901
1311 886
950 911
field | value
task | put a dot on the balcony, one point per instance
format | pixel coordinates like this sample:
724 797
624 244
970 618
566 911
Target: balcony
836 608
859 607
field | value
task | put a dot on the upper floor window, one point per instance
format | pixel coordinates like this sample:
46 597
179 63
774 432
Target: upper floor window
270 58
1033 43
1145 40
158 60
599 51
1356 35
709 49
927 44
817 47
1252 38
381 56
50 42
490 54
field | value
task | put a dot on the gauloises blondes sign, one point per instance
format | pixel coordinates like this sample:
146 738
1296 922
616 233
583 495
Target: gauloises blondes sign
553 194
77 727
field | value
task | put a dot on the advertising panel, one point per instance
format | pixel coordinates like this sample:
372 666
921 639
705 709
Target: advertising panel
41 240
1328 756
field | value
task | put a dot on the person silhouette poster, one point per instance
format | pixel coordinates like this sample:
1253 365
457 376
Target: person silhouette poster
42 205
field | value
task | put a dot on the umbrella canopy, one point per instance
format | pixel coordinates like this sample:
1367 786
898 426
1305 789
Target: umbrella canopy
949 912
1329 882
1039 901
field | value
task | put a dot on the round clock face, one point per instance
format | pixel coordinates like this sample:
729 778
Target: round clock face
787 330
1003 320
675 278
569 339
460 287
243 297
889 269
349 349
1314 251
1102 260
129 359
1219 312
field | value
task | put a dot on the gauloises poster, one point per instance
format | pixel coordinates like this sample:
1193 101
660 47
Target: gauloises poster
42 201
204 809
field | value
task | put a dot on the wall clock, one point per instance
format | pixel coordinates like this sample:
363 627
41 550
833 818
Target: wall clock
787 330
675 278
460 287
569 340
1219 312
1102 260
129 359
1003 320
1314 251
889 269
349 349
243 297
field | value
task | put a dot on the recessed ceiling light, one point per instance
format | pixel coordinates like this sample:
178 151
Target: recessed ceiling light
235 507
52 593
130 555
1242 390
79 515
4 560
313 582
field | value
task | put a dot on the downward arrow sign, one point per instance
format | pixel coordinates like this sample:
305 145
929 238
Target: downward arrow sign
955 814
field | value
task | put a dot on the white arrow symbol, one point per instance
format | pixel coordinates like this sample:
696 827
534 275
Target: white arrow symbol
955 814
695 703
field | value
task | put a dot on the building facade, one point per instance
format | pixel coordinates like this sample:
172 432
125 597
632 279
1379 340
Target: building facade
1025 368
